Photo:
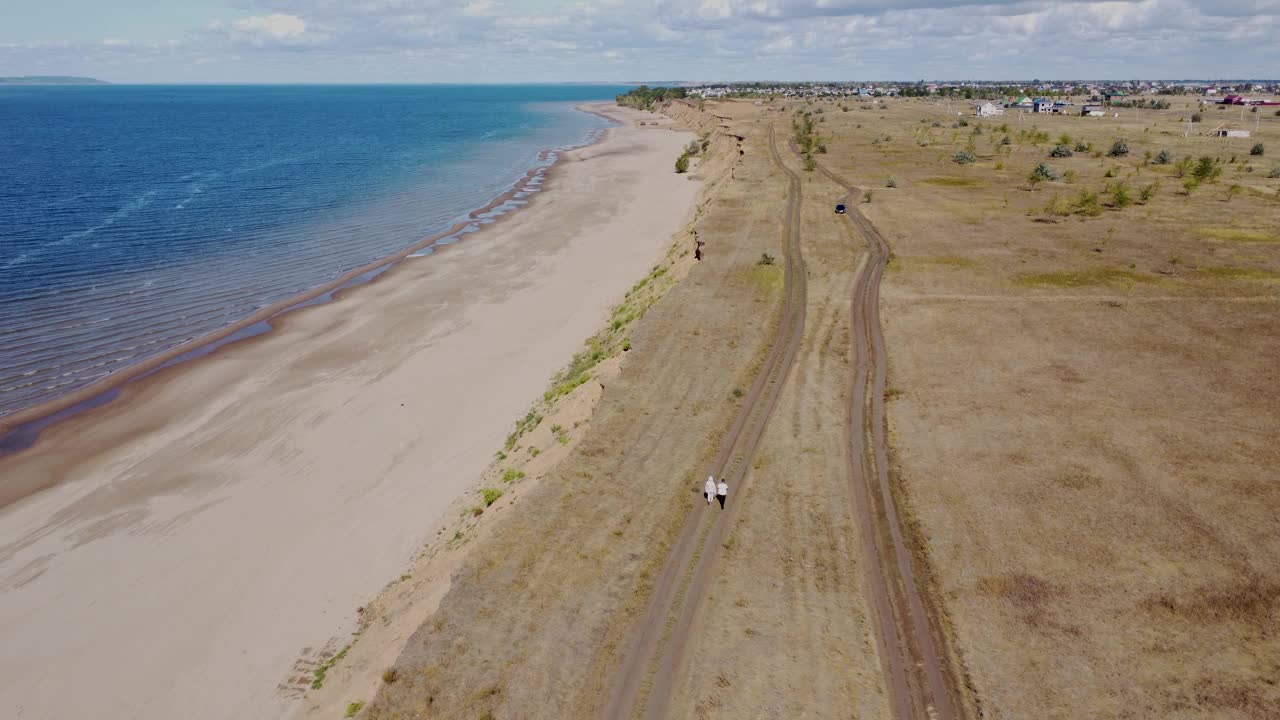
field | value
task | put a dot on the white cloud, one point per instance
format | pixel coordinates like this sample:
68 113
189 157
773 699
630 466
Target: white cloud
493 40
276 26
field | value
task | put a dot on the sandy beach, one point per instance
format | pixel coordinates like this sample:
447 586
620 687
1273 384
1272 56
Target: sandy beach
226 517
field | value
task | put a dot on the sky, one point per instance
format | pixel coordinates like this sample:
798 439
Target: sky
483 41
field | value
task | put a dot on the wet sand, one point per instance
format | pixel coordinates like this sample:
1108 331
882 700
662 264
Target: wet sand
225 517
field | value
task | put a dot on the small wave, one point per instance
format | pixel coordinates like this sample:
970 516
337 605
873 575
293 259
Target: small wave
125 210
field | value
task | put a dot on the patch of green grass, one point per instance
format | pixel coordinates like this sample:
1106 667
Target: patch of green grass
490 495
1240 235
909 262
355 707
1231 273
953 181
512 475
1083 278
766 278
524 425
326 666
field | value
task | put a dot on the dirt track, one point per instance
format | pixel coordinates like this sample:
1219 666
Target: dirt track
643 681
916 673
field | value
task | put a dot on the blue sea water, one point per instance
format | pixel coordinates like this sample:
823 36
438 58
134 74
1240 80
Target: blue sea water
136 218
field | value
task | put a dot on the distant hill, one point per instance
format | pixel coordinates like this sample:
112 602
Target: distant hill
51 80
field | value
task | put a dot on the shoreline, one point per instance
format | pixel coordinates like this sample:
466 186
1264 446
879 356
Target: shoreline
21 429
262 495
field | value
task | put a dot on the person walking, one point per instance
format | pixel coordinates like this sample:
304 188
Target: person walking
710 489
722 492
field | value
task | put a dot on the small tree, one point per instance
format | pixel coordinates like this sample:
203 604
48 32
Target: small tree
1119 148
682 164
1206 170
1257 149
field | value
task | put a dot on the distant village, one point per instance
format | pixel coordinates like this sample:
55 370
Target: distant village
1241 92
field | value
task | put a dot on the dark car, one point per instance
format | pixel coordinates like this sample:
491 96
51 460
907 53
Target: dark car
840 209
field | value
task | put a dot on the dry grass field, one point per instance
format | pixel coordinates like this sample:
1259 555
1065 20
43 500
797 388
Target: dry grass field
1083 411
1084 401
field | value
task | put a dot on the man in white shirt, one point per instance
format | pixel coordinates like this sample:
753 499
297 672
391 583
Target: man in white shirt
722 491
709 489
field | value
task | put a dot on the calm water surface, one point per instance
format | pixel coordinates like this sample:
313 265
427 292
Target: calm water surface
133 219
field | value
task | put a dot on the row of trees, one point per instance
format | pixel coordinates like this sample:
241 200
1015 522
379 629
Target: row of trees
645 97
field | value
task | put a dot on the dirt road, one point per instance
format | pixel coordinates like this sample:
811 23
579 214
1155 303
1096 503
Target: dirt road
642 684
917 679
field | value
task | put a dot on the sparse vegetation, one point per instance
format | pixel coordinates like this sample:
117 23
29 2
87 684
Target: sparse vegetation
323 669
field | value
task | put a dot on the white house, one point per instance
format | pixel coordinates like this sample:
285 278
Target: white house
989 110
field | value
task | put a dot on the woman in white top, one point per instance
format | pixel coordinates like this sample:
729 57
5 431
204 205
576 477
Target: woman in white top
722 492
710 489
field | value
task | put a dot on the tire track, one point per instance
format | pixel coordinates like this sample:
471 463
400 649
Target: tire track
917 674
642 683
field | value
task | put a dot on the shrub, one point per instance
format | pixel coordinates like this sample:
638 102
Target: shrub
1061 151
390 675
765 259
1064 139
1006 140
1045 172
866 196
1163 158
810 164
355 707
1233 190
692 149
1057 207
822 148
682 164
1082 146
963 157
891 182
1087 204
1257 149
1148 192
1120 197
1069 176
1275 172
1119 148
1196 117
490 495
512 475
